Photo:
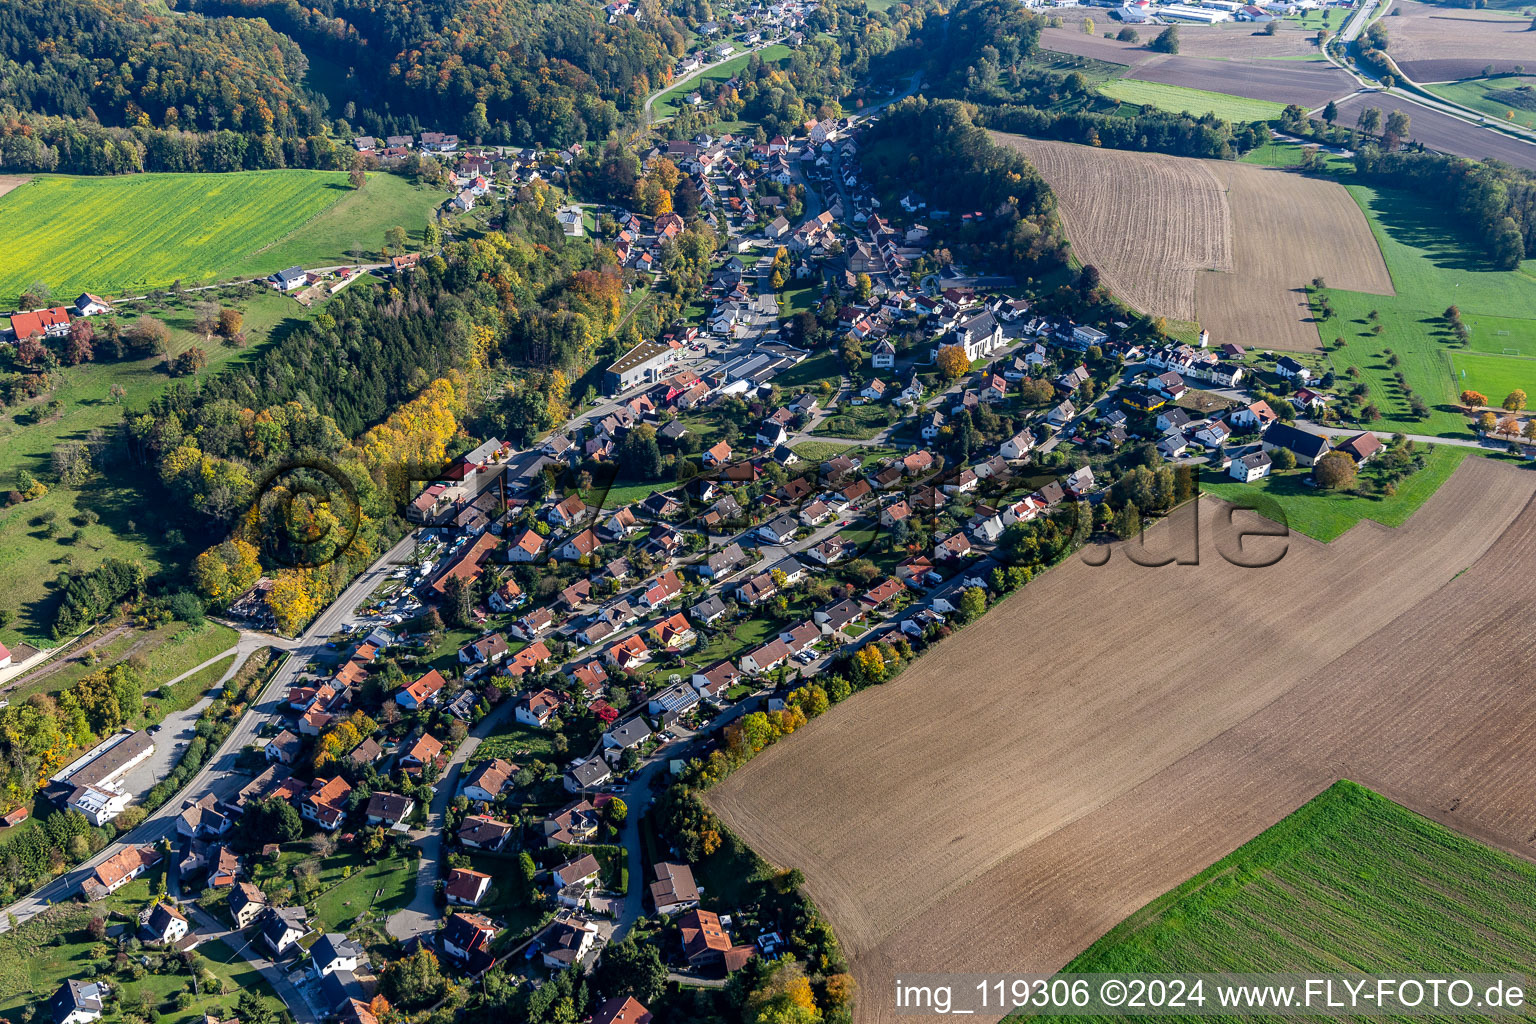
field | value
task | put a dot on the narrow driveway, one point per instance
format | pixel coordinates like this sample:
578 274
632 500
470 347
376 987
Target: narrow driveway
423 913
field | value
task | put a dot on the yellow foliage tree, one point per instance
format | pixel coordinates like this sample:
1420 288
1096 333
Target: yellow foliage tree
291 601
953 362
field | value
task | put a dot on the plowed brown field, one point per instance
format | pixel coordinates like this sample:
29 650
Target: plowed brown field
1229 245
1437 44
1111 731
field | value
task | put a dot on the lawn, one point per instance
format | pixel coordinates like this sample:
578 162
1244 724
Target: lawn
668 102
1326 515
517 743
1180 99
1476 94
1351 882
37 958
379 888
41 538
1433 266
186 647
138 231
1494 375
860 422
187 692
350 230
810 372
819 451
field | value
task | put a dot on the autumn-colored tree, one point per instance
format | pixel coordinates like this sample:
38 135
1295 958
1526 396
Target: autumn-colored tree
78 347
1509 425
357 175
1335 471
1473 399
291 602
227 570
1515 400
1487 423
30 351
205 319
231 322
953 362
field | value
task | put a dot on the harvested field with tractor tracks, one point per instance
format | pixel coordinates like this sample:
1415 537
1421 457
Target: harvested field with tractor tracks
1075 753
1433 43
1225 244
1443 132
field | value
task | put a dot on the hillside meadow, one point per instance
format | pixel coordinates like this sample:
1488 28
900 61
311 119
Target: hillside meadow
143 231
1433 266
39 539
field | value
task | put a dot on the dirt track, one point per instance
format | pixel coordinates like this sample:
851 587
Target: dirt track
1103 737
1226 244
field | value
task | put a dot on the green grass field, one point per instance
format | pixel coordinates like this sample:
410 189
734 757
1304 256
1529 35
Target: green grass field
36 550
1350 882
1179 99
379 889
1475 93
132 233
37 958
1325 515
1495 375
1433 266
668 102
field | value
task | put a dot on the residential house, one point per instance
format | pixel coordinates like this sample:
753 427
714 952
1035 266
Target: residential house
389 809
421 693
576 822
673 889
1362 447
482 832
333 952
283 927
424 750
587 775
1307 448
76 1002
1250 467
537 708
1290 368
564 942
714 681
325 803
162 924
490 778
630 734
246 903
466 937
706 944
466 887
622 1010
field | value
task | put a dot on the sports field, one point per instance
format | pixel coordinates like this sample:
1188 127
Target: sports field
1179 99
1433 266
132 233
1350 882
